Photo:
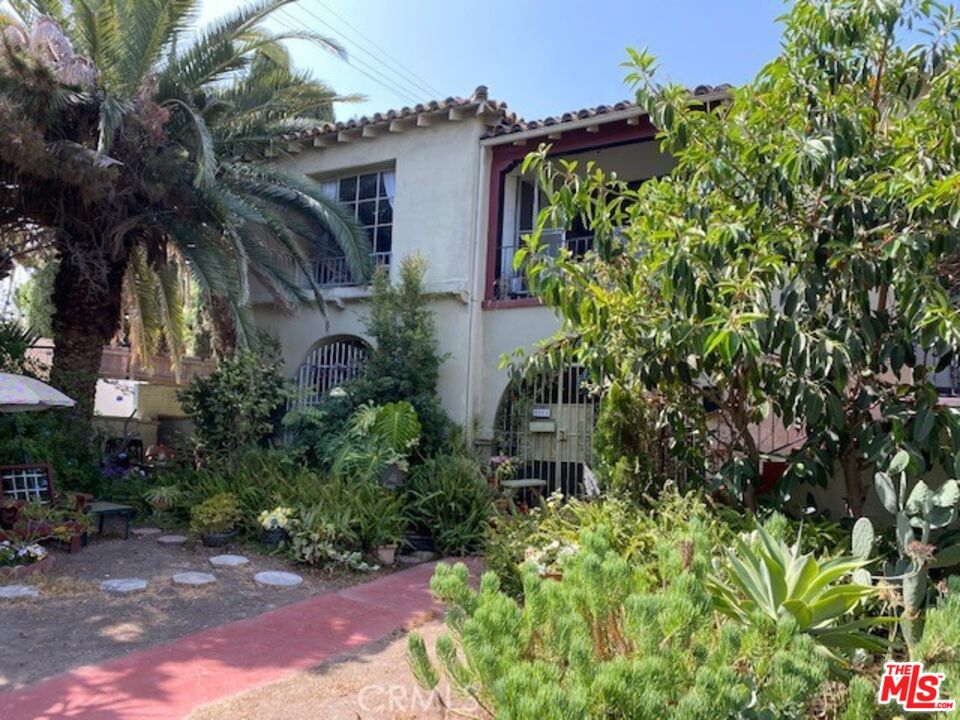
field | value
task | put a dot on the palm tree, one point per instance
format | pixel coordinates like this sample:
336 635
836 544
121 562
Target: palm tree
139 153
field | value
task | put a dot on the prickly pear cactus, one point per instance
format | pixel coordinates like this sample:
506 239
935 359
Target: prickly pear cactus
864 538
925 509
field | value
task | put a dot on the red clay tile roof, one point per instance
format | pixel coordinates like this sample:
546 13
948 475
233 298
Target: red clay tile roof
519 125
502 121
478 100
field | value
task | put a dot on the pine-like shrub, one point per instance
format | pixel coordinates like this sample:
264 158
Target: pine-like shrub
608 642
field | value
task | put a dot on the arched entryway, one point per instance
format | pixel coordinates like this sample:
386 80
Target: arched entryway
546 421
329 364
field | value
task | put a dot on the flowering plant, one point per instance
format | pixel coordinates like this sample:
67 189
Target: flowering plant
20 554
276 519
551 556
503 467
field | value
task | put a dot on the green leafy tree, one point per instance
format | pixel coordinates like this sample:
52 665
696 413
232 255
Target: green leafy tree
237 406
796 261
134 147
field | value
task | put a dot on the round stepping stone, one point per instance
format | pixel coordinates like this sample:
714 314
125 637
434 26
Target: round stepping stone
122 586
194 578
15 592
230 561
276 578
146 531
172 539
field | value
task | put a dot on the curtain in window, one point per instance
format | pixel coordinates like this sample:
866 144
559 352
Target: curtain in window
389 184
328 188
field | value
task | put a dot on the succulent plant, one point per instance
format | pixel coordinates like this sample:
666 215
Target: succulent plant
924 508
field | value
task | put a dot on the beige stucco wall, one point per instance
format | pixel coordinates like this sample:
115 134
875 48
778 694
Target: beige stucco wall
434 214
299 332
440 211
436 190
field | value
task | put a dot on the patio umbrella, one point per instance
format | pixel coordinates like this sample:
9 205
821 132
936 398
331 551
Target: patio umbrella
19 393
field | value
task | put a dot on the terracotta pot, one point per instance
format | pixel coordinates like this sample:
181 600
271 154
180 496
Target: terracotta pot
558 576
17 572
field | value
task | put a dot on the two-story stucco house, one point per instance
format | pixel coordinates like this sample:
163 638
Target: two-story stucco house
443 179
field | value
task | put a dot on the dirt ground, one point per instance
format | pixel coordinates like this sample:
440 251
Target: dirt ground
374 684
73 623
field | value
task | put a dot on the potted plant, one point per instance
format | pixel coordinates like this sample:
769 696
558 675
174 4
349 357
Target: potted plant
275 525
502 467
19 559
215 519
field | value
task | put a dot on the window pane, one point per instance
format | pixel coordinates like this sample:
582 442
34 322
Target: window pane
384 212
348 189
367 212
525 209
368 186
384 239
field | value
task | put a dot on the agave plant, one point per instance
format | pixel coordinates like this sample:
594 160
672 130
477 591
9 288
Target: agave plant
766 578
139 147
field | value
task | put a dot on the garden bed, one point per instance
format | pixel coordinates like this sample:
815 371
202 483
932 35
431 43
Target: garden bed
74 623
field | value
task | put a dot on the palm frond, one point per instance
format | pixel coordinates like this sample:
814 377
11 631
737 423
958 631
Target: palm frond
206 157
301 197
216 51
170 303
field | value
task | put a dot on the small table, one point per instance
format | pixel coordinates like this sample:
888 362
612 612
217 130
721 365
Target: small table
104 509
512 487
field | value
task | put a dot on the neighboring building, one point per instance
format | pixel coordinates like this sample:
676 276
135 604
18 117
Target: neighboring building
133 401
443 179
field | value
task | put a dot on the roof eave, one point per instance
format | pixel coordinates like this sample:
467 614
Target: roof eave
520 137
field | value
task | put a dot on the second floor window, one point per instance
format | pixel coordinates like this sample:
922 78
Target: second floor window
369 197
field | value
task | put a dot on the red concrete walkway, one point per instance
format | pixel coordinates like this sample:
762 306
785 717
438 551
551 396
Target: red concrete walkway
167 681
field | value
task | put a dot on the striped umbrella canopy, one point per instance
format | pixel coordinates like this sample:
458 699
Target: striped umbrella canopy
19 393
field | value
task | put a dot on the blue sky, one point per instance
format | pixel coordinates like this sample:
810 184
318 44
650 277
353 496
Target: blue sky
541 57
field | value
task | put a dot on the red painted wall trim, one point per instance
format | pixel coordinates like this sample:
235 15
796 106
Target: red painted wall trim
505 157
493 304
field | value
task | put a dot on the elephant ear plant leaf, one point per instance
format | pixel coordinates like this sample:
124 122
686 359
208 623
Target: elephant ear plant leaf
766 579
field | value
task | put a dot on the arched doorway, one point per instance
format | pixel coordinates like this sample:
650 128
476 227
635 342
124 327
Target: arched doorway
546 421
329 364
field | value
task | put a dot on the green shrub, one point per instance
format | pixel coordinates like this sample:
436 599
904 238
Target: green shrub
346 519
238 406
260 479
600 644
635 530
629 445
448 496
940 647
217 514
57 437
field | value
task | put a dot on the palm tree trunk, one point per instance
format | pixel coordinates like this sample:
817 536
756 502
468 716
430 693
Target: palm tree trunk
86 317
224 327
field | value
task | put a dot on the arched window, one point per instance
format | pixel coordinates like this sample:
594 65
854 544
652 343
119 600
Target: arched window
329 364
